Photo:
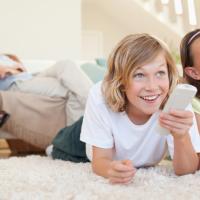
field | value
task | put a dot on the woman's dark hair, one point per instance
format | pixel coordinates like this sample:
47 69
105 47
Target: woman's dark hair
187 57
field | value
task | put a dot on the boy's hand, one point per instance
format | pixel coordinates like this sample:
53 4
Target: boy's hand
121 171
178 122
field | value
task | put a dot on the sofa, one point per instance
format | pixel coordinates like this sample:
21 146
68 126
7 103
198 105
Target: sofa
54 98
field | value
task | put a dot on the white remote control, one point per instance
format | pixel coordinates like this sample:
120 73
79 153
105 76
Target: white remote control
179 99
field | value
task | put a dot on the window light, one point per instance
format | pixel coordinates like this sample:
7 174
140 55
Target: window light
192 13
178 7
165 2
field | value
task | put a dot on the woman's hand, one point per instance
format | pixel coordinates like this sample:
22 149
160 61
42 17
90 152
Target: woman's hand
121 171
178 122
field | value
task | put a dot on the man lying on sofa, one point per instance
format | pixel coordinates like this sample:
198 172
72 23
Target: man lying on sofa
41 105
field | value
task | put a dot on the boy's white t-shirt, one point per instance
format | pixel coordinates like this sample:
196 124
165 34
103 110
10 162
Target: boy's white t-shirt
141 144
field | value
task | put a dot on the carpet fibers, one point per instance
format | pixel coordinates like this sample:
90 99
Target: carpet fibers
36 177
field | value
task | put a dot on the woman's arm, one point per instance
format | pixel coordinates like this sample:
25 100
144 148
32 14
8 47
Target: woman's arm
198 121
198 124
185 158
117 171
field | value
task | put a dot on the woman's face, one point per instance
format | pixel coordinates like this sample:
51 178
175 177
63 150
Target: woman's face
148 87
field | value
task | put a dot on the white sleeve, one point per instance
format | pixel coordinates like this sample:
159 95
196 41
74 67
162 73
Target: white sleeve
96 129
194 135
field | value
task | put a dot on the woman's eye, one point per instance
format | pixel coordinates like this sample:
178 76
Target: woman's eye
138 75
161 73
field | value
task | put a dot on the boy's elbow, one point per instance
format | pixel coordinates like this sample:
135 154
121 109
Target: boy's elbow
95 168
99 170
189 167
180 172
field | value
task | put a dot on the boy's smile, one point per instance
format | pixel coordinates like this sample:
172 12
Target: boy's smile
150 98
148 88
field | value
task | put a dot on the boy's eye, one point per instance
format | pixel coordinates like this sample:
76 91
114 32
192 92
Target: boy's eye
161 73
138 75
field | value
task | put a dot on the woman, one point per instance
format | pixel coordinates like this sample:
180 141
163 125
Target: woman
190 59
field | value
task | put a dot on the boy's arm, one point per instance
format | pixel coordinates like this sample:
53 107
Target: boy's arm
185 158
101 160
119 171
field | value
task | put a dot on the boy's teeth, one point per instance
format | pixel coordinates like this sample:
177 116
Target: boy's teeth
150 97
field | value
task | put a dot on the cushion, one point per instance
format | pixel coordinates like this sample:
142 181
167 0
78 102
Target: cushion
93 71
101 62
35 119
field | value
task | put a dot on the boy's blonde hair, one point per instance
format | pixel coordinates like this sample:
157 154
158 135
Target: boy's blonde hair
131 53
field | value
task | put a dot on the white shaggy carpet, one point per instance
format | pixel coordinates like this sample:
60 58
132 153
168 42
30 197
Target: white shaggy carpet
35 177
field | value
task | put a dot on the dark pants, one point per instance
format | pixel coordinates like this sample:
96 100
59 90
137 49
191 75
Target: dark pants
67 144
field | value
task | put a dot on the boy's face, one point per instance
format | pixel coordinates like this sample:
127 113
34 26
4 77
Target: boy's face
148 88
195 70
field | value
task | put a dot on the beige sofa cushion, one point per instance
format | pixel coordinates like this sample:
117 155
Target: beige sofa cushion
35 119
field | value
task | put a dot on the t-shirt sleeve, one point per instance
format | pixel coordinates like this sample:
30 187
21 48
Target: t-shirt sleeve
194 135
96 128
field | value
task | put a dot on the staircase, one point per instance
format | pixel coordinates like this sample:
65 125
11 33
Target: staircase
110 20
179 15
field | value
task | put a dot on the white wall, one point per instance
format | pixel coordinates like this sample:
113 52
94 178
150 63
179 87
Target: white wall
115 19
92 45
41 29
96 19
